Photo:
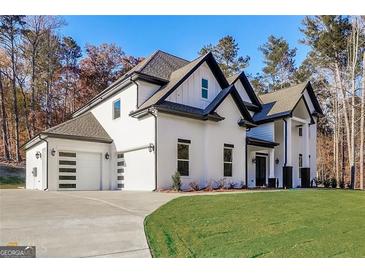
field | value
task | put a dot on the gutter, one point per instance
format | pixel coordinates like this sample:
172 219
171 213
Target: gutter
153 112
40 137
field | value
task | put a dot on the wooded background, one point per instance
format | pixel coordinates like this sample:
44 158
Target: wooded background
45 77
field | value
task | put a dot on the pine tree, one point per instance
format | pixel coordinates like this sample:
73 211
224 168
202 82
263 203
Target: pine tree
226 54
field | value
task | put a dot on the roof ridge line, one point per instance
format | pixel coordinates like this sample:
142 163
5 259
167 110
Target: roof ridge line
174 56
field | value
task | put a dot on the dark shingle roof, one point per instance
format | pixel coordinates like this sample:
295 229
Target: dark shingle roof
175 77
159 64
85 126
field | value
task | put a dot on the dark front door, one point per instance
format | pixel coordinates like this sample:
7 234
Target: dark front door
260 171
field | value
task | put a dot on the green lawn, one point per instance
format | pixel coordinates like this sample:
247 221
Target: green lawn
7 182
306 223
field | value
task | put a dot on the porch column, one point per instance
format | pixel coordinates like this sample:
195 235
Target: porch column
272 179
288 166
289 142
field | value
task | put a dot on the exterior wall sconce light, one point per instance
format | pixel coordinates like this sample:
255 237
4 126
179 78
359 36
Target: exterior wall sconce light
38 155
254 160
277 161
151 147
107 156
53 152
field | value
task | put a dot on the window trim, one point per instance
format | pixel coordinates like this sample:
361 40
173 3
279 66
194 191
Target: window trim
113 109
228 147
186 143
204 88
300 131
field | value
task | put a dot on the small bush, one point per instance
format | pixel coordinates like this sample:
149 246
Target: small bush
176 181
333 183
186 187
194 186
215 185
238 185
342 185
327 183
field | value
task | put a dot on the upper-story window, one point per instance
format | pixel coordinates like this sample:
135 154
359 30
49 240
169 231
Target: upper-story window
116 109
204 88
300 131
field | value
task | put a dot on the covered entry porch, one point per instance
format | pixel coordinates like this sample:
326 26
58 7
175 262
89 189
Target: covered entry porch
260 163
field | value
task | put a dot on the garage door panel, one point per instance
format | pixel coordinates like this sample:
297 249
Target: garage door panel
88 171
79 171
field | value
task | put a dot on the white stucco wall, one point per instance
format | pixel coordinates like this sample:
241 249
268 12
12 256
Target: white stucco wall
206 148
242 91
39 181
129 133
145 91
189 92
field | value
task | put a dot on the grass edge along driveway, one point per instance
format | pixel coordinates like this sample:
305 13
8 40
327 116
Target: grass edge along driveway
295 223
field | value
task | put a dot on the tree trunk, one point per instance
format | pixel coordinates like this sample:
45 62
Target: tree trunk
15 102
345 110
4 127
362 125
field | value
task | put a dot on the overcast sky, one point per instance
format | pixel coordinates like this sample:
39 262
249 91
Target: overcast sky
185 35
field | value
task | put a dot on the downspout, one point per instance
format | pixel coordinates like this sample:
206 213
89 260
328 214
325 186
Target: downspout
153 113
40 137
286 141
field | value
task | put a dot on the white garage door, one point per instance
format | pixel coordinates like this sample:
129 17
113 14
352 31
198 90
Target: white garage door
79 171
88 171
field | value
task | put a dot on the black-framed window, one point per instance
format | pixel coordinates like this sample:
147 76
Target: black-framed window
300 131
183 158
116 109
204 88
227 161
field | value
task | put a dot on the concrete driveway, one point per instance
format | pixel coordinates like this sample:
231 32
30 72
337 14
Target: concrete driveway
78 224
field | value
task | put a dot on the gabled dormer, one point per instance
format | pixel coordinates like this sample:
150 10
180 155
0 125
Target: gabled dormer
246 92
195 90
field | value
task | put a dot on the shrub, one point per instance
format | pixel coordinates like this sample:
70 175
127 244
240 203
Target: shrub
327 183
342 185
176 181
194 185
238 185
333 183
215 185
203 185
186 187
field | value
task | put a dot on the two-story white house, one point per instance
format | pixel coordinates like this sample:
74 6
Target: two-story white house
168 114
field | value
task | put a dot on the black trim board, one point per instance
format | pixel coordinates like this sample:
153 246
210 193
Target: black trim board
229 145
184 141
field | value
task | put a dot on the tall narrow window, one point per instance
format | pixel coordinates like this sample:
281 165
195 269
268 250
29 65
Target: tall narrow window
116 109
300 131
183 157
204 88
227 160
